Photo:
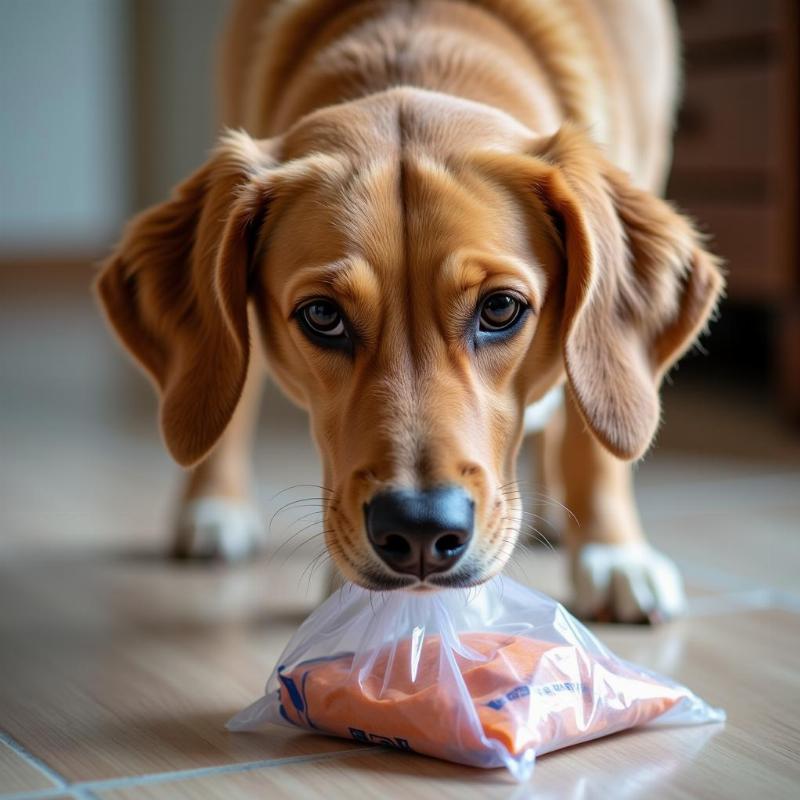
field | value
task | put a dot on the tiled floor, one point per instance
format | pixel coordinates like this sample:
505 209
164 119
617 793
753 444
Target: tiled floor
118 669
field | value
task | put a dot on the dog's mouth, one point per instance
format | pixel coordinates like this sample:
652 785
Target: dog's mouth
464 577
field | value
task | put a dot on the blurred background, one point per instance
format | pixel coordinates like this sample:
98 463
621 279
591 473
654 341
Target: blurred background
106 104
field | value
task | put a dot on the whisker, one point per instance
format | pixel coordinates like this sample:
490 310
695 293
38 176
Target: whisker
509 557
318 559
537 534
301 486
524 513
324 558
309 514
303 543
305 502
307 526
519 494
274 555
529 530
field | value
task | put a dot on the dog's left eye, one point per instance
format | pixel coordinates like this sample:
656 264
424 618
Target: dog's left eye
500 311
324 324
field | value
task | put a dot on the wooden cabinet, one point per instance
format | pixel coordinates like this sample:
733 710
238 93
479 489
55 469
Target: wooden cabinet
736 156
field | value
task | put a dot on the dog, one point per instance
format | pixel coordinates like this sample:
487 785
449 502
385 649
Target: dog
430 216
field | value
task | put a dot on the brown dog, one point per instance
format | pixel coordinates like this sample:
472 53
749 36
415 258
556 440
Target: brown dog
438 212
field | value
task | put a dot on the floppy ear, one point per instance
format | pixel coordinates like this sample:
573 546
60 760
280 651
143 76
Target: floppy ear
640 287
175 290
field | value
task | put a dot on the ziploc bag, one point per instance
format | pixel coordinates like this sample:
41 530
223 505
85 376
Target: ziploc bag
490 676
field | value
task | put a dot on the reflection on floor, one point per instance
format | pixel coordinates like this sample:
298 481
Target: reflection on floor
118 668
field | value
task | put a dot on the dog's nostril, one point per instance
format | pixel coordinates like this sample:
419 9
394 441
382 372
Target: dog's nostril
396 546
448 545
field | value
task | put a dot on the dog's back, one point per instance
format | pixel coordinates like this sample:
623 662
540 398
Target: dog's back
609 66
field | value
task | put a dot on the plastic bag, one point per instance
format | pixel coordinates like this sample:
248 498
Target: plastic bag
490 676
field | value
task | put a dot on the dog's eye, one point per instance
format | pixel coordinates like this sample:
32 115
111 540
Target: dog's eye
324 324
323 317
500 311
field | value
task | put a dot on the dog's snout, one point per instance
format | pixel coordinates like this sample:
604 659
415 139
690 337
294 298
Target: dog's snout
420 532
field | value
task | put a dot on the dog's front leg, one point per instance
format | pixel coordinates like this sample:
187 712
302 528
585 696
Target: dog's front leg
616 574
216 516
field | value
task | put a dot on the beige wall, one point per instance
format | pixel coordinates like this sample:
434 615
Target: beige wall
174 89
105 105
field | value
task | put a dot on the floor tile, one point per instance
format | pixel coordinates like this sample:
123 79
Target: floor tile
641 762
18 775
135 663
755 542
379 774
117 668
748 663
116 663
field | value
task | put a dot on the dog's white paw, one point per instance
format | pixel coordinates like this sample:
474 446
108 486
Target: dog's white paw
219 528
626 583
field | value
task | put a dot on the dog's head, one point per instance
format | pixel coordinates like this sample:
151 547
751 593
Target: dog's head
422 269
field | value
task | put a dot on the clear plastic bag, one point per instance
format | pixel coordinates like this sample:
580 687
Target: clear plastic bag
490 676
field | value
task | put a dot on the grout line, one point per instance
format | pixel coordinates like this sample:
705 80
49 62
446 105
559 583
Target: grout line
85 790
222 769
83 794
37 763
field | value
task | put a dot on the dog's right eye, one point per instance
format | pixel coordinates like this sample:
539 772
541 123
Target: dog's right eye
323 323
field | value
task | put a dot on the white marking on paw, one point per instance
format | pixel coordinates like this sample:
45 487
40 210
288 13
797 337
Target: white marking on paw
630 582
216 527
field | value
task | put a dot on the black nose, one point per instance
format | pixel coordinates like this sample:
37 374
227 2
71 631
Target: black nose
420 532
